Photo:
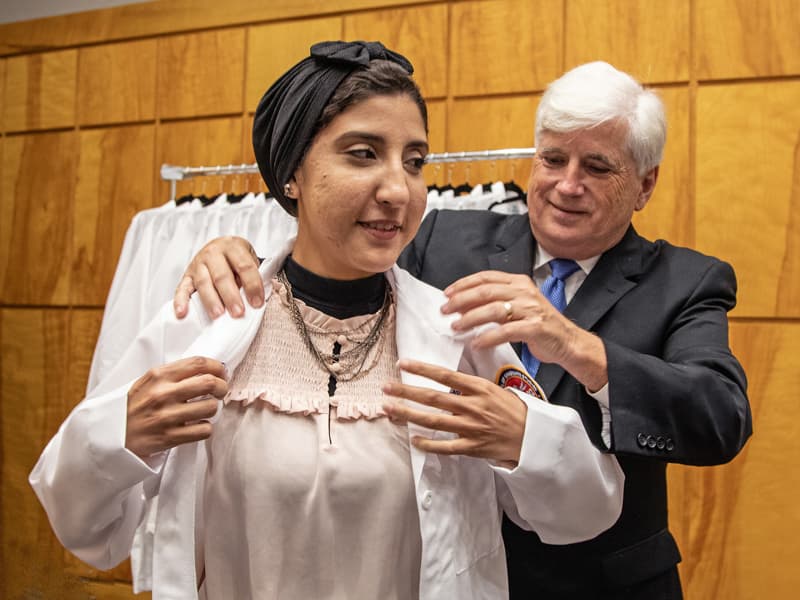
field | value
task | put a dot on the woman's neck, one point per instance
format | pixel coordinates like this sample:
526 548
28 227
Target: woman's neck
334 297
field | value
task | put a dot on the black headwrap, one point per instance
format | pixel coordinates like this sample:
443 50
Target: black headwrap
289 110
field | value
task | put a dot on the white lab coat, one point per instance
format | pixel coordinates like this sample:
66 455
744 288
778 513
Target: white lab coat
105 503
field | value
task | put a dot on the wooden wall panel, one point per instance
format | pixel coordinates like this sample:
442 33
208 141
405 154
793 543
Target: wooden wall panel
741 38
114 183
203 142
201 74
647 38
2 91
504 123
419 33
40 91
117 83
34 368
37 181
669 213
741 518
504 46
273 48
160 17
748 190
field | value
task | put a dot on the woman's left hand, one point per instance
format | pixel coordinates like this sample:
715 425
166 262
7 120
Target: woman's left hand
488 420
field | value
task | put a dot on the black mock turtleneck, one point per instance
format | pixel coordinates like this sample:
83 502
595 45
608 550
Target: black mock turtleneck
334 297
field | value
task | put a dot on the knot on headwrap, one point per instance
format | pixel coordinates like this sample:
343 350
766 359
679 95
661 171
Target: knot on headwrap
288 113
358 53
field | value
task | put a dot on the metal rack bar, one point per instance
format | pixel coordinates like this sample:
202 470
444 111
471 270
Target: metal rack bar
173 173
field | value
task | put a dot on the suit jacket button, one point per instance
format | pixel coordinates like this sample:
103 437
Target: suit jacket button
660 443
641 439
651 442
670 445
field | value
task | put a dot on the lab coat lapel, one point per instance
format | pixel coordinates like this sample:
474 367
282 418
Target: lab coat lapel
227 340
422 334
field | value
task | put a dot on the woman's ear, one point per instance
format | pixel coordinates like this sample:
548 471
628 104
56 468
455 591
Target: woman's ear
291 189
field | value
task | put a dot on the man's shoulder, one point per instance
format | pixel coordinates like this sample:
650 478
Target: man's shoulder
686 263
483 223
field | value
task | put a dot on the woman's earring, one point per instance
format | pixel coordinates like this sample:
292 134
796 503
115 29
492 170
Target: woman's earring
287 190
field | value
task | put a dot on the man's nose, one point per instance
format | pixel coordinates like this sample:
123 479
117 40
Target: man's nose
569 181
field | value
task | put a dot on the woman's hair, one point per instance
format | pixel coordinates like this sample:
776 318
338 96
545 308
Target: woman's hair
597 93
378 78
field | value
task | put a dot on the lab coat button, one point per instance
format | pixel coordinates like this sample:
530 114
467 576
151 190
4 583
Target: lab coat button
641 439
670 445
660 443
427 499
651 442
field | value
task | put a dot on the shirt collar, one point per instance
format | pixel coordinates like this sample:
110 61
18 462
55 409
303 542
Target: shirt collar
543 257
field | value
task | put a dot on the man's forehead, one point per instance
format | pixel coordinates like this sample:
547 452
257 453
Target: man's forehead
604 140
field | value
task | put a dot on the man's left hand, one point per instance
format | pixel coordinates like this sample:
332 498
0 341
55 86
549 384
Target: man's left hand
488 420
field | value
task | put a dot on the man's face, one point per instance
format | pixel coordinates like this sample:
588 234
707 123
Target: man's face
583 190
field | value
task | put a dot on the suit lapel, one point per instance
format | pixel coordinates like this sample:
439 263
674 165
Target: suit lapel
515 247
515 253
614 275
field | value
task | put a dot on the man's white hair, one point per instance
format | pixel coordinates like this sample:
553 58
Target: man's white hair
597 93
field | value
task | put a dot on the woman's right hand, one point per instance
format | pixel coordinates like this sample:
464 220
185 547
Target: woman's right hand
216 272
169 405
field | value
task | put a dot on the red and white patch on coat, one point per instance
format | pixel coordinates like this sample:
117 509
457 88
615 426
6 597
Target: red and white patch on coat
510 376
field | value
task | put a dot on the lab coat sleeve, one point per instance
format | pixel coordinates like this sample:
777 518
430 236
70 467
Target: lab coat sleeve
93 489
563 487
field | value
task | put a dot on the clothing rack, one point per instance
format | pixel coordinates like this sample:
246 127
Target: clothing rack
173 173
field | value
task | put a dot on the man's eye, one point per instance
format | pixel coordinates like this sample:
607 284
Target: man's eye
552 161
600 169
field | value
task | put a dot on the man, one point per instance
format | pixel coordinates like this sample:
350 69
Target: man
641 350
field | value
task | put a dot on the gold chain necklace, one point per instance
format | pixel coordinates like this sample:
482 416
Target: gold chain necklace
347 365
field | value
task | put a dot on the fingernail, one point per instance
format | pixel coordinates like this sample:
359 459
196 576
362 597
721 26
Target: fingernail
255 301
237 310
217 311
445 308
227 373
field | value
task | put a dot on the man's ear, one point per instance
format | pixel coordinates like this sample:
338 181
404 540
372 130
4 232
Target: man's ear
648 185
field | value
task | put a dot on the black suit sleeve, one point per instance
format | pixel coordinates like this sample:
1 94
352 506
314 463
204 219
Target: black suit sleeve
688 402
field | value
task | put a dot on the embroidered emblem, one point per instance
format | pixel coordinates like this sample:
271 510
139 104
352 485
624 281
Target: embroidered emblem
512 377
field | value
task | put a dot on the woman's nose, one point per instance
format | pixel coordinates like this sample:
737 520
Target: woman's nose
393 188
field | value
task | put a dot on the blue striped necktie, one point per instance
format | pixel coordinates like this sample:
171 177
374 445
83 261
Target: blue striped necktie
553 290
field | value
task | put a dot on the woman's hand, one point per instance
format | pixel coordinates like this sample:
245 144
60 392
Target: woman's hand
216 272
169 405
488 420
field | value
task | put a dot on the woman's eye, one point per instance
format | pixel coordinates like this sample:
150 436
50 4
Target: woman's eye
416 163
362 153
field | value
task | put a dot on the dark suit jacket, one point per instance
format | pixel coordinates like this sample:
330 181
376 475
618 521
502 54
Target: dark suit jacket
677 394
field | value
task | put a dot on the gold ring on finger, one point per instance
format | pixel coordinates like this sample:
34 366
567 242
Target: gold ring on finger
509 310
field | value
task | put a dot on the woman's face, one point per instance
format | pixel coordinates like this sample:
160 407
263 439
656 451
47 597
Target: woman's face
360 190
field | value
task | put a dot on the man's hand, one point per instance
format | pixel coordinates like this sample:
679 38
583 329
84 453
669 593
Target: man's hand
161 413
216 272
525 315
489 421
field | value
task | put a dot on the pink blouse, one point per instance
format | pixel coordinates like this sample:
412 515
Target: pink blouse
308 496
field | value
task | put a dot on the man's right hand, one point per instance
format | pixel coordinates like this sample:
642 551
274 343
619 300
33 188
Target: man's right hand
216 273
169 405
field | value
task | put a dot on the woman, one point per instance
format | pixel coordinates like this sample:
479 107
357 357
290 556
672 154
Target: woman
302 488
